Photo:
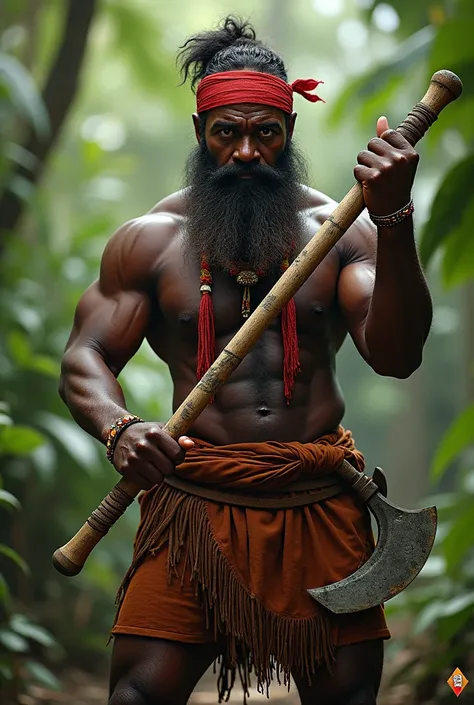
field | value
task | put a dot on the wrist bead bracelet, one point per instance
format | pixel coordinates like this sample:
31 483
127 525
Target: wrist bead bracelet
388 221
116 429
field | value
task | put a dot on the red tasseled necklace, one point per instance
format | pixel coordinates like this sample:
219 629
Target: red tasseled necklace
206 328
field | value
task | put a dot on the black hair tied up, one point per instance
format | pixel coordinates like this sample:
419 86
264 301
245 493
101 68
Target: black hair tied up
231 47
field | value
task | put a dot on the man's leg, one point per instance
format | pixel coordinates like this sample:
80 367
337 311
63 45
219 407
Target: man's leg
355 681
148 671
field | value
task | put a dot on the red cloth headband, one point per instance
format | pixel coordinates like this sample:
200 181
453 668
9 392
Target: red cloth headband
234 87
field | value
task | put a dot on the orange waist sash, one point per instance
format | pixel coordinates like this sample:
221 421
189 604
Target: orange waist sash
252 567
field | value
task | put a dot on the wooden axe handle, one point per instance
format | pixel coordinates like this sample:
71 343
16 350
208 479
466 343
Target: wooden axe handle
70 558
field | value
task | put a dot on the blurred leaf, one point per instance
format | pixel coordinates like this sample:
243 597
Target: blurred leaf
19 155
458 541
5 670
413 15
43 675
137 38
45 365
4 592
9 500
75 441
438 609
15 557
448 208
23 93
458 437
5 420
458 260
427 617
19 347
21 625
13 642
22 188
19 440
453 46
449 626
386 78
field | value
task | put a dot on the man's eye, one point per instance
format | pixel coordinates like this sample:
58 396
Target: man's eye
227 131
266 131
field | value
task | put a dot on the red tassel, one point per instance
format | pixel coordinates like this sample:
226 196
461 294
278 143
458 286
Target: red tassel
206 335
206 329
291 358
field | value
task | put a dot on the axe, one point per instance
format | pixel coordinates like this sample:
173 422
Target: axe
405 536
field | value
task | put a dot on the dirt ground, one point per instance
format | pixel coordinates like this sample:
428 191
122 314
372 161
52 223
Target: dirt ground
82 689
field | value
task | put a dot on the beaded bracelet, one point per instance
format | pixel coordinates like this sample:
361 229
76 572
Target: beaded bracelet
388 221
116 429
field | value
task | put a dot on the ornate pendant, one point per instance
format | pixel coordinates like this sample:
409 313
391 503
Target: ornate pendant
247 278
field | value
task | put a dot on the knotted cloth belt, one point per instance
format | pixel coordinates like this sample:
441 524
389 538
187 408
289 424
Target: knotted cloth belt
315 490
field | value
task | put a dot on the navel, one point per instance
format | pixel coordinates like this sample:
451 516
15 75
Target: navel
263 411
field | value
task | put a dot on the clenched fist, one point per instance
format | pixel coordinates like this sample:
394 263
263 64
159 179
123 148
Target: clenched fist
145 453
386 170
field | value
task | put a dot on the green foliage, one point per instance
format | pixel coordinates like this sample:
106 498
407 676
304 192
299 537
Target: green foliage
17 89
457 439
370 93
54 474
440 604
19 637
140 40
449 209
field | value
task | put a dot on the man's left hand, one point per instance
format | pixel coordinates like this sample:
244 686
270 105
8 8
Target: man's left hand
386 170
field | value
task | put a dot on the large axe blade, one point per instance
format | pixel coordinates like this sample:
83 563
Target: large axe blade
405 540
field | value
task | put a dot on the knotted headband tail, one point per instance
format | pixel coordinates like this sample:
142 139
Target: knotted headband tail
234 87
304 85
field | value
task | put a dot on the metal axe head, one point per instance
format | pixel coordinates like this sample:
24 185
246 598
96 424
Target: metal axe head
404 543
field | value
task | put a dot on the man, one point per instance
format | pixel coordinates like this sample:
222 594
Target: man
244 514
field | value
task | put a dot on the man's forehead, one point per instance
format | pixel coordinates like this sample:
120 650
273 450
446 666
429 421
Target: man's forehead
246 111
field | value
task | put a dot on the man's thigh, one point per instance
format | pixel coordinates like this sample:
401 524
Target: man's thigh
146 671
355 680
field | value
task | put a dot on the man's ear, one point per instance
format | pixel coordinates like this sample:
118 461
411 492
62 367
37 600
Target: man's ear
197 128
291 124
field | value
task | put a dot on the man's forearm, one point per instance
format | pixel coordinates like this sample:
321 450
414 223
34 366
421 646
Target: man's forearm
91 392
400 313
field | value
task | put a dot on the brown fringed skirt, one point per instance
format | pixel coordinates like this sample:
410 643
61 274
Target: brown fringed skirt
209 571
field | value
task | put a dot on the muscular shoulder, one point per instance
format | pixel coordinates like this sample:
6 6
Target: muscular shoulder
132 255
358 244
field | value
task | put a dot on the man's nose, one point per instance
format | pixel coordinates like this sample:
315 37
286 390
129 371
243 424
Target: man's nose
246 151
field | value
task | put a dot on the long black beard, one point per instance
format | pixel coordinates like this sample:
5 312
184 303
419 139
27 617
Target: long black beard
232 219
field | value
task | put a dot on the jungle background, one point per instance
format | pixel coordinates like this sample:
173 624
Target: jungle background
94 129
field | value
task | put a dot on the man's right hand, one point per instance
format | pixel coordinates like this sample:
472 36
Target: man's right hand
144 454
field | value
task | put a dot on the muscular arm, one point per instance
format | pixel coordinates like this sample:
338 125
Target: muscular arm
382 291
109 326
384 297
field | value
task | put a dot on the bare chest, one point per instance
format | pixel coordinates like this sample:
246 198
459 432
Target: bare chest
178 299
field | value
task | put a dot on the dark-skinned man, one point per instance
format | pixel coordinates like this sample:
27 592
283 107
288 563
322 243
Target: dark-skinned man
223 559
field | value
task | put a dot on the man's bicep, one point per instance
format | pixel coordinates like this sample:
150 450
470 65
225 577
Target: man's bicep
111 326
355 287
112 316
